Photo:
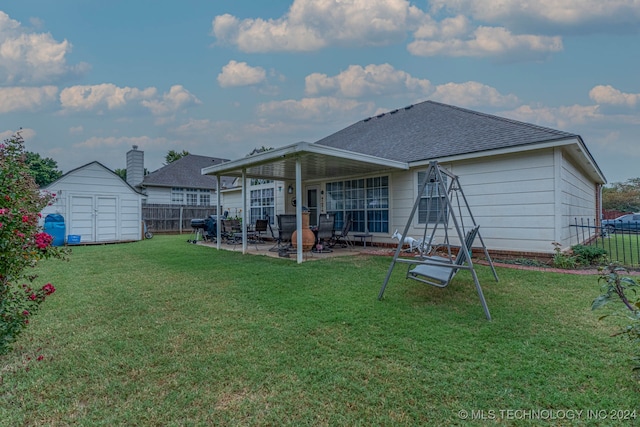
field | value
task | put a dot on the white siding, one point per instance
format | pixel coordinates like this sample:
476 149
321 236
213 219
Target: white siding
578 200
510 196
158 195
97 205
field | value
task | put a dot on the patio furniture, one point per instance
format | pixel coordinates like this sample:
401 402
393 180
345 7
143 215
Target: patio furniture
286 227
325 232
343 237
259 228
441 271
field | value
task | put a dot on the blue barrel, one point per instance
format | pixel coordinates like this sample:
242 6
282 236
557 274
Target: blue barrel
54 226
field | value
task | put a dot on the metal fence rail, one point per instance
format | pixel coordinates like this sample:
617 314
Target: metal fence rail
622 246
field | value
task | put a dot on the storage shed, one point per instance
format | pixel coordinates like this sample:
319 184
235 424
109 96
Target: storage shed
97 205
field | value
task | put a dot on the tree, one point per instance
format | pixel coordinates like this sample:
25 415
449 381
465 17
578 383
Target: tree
43 170
122 173
173 155
622 196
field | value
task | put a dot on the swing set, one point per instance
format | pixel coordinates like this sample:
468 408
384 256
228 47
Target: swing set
438 262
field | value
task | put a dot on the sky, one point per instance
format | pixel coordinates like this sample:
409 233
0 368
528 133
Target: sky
85 80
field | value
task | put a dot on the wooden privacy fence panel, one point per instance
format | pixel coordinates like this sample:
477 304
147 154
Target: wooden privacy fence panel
173 218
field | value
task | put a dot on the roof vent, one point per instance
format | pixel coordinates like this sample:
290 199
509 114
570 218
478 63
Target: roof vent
408 107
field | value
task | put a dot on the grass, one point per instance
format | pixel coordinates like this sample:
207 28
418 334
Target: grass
161 332
623 248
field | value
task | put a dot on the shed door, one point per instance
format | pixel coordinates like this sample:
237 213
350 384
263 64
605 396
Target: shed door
106 219
94 218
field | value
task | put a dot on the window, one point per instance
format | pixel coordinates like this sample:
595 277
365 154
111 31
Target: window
190 196
366 200
262 204
433 203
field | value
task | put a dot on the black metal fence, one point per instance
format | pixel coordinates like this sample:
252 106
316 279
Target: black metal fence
622 246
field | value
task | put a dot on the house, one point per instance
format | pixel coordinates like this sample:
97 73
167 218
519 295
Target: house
177 183
97 205
525 183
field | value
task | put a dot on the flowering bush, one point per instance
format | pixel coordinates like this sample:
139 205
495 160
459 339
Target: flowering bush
22 242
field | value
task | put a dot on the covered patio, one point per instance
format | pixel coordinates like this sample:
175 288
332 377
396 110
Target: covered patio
300 163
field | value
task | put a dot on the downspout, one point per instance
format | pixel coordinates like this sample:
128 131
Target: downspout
557 195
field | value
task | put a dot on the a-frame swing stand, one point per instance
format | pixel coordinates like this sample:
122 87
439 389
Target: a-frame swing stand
437 265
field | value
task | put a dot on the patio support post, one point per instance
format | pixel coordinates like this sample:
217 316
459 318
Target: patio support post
218 214
299 209
244 211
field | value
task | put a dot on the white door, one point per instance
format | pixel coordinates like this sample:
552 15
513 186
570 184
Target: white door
81 218
106 219
94 218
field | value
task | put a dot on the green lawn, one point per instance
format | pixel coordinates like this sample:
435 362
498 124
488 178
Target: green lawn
166 333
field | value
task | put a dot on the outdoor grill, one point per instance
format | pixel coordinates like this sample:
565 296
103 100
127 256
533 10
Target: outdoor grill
205 227
198 223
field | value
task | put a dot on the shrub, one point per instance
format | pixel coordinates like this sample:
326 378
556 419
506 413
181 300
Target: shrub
22 243
589 255
561 259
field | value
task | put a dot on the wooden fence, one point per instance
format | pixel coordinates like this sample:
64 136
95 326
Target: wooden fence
173 218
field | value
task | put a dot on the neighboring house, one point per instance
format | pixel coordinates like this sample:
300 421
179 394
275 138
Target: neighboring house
177 183
97 205
525 183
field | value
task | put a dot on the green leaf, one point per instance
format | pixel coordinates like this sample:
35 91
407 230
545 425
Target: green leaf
599 302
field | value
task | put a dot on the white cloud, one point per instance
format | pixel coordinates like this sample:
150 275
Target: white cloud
610 95
559 14
323 109
32 58
314 24
562 117
358 81
144 142
240 74
484 41
471 94
103 95
26 98
177 98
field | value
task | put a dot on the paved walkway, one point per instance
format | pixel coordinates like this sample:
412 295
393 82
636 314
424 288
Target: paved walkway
263 249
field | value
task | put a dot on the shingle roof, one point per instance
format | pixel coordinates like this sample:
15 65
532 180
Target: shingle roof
430 130
186 172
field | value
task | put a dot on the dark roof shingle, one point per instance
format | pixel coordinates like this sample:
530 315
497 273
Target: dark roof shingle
186 172
431 130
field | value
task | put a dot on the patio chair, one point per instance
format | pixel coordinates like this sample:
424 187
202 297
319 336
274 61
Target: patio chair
343 238
286 227
326 224
259 228
441 271
231 231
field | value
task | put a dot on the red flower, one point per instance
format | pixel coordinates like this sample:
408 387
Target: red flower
43 240
40 358
33 297
48 289
25 218
25 313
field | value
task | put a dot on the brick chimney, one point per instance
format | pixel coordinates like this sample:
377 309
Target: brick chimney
135 166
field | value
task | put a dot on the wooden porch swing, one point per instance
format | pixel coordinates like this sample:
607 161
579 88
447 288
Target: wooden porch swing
438 263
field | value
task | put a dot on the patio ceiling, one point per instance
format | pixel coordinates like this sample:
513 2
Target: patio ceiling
316 162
